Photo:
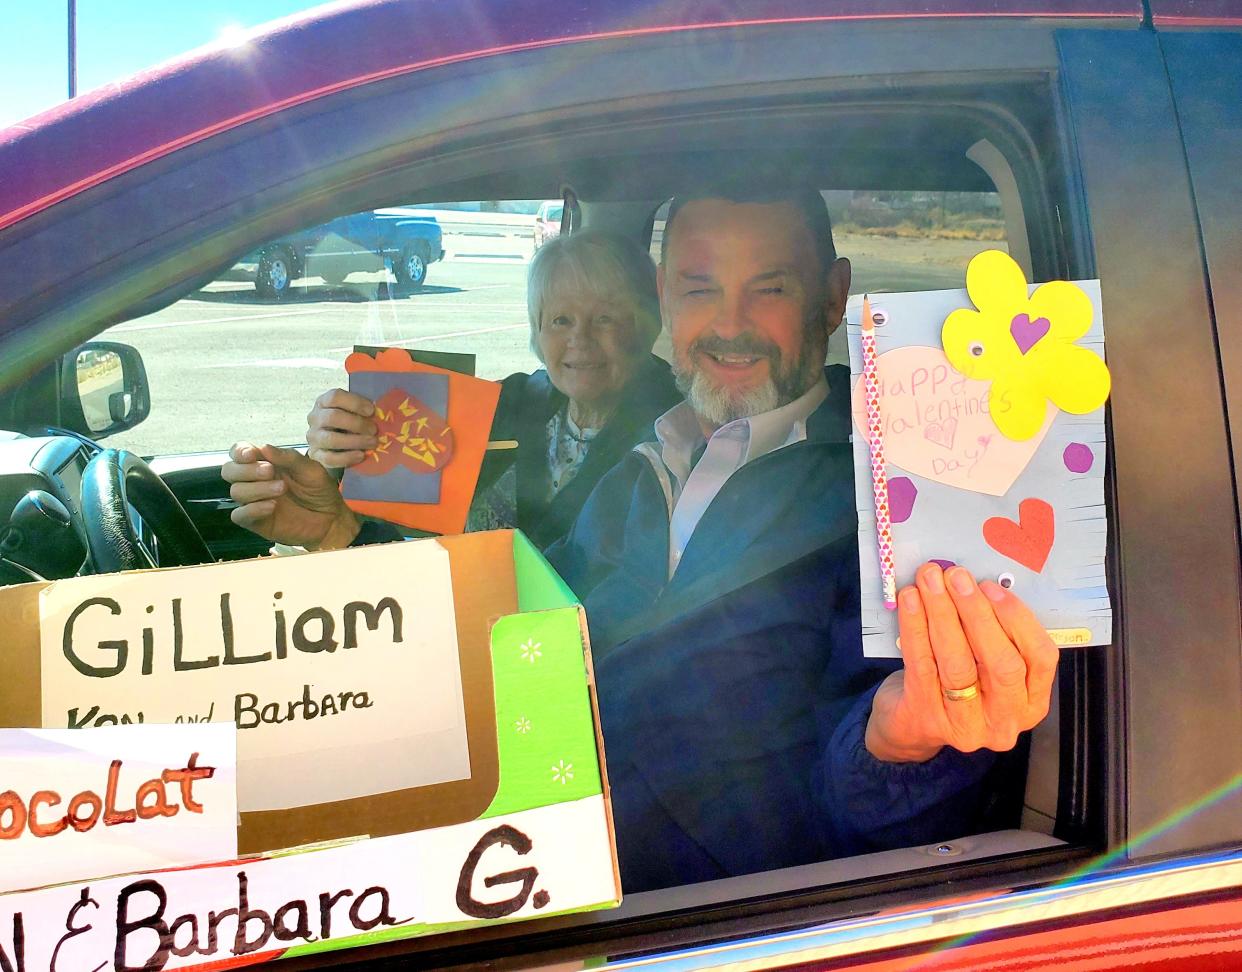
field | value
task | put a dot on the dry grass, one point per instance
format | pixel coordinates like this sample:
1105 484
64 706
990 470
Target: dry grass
973 230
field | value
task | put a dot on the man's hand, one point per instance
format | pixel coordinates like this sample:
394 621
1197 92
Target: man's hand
286 497
340 429
978 670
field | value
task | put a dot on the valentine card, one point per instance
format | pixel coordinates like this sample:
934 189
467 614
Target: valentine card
433 426
991 407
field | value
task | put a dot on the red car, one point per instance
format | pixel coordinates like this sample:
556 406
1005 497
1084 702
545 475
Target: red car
1105 137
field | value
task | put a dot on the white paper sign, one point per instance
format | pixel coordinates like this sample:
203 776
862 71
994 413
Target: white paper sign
341 670
554 858
549 860
83 803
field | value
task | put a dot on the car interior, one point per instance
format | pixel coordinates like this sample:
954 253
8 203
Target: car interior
69 507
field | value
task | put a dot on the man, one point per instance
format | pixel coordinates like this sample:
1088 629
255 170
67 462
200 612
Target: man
718 566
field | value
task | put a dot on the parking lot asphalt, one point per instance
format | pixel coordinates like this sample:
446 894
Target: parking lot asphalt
226 364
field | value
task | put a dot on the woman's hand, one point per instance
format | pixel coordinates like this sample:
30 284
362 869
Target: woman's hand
284 496
340 429
978 670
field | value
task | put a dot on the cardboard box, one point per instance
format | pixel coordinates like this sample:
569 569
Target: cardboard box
435 696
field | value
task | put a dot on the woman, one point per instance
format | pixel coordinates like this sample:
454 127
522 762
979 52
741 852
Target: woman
594 316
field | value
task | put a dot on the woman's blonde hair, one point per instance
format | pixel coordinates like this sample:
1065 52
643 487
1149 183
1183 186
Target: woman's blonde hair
595 262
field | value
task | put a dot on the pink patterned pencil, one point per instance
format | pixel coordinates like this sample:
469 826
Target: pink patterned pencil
879 476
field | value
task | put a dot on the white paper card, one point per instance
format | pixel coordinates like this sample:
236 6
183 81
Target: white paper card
341 670
960 492
83 803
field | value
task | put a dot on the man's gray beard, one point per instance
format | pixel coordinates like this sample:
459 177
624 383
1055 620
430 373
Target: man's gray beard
718 406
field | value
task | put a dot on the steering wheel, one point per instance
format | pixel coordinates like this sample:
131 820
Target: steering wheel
116 483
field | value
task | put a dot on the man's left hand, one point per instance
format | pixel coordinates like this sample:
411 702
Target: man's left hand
978 670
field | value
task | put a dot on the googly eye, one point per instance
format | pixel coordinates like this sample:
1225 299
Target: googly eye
1006 580
976 349
879 316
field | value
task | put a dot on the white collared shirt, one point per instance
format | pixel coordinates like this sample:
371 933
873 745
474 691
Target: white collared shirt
730 447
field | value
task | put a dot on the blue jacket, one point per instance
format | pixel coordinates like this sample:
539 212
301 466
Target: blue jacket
734 697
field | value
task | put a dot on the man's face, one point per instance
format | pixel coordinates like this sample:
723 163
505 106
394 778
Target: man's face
747 306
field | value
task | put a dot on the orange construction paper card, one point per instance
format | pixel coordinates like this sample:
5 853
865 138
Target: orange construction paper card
460 442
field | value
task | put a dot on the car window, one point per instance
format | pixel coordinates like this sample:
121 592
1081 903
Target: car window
246 354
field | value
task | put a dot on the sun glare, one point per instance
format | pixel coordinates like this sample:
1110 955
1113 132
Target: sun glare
232 35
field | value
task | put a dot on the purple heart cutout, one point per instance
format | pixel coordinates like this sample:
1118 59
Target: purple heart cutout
1026 332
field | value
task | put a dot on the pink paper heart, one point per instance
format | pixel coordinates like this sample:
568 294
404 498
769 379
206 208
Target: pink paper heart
1026 332
941 433
920 389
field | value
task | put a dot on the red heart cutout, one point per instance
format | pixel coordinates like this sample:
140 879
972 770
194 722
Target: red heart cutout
1029 541
410 434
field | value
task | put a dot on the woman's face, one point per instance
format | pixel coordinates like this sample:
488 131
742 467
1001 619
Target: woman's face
590 345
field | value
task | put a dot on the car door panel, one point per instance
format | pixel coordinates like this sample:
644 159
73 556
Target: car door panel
1175 506
1204 72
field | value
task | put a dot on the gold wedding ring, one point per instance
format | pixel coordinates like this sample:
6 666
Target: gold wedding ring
961 695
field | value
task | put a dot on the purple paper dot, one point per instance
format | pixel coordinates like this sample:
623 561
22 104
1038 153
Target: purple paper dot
901 496
1078 457
944 564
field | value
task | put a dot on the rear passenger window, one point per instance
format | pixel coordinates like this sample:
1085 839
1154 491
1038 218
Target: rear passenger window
901 241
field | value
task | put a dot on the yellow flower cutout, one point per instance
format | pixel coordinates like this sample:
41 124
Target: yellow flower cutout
1025 345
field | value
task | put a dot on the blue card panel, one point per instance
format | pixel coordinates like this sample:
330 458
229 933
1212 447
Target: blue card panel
400 485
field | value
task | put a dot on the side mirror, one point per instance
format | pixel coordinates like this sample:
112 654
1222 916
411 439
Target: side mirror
104 389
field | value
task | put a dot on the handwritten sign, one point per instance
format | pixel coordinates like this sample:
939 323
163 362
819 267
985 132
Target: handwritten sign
77 804
340 670
538 862
938 424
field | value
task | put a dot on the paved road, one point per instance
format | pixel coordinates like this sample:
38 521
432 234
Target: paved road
226 364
